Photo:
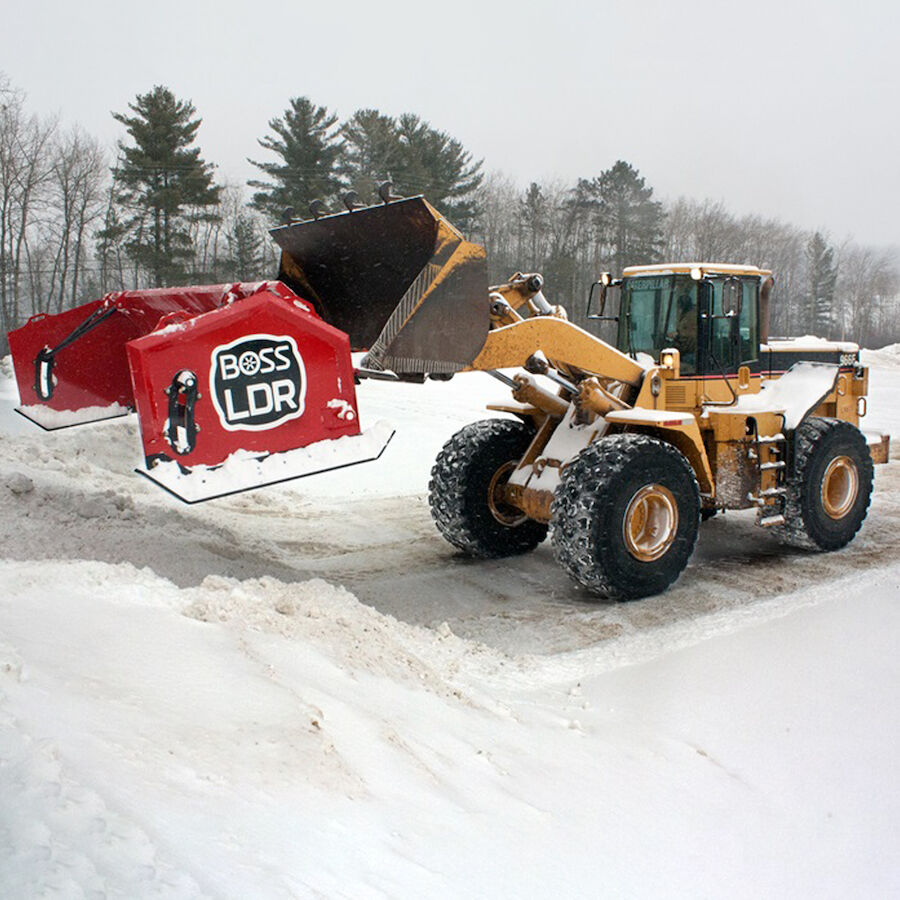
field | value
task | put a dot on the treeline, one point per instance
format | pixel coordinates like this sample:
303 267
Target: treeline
844 291
78 221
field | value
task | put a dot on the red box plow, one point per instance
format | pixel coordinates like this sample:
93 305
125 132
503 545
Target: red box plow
231 383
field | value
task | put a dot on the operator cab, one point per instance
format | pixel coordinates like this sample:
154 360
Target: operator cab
709 313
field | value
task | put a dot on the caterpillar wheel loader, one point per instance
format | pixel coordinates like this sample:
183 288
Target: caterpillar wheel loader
619 448
688 414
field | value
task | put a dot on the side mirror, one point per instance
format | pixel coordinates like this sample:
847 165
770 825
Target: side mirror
732 297
598 297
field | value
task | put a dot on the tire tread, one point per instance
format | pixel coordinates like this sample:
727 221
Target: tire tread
461 514
580 504
798 529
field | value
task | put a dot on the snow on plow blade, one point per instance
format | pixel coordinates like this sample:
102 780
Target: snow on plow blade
399 279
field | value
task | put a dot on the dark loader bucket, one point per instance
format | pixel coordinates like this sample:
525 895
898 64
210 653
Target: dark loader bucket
398 278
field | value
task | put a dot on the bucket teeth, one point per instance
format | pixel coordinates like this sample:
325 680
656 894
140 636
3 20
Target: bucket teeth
385 190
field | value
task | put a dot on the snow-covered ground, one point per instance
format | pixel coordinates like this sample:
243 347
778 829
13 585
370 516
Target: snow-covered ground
303 691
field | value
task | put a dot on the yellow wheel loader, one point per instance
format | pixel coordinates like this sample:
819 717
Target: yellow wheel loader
619 448
690 413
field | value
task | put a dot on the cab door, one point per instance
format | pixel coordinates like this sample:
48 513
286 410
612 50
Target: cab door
729 333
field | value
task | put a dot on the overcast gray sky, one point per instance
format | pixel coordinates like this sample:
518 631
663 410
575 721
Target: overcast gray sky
787 108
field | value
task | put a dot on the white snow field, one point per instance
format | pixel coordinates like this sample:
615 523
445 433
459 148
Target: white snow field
303 691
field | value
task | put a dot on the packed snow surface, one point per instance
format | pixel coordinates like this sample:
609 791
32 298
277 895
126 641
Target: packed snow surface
304 692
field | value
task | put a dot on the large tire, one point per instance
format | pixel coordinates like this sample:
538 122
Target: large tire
625 516
829 489
463 491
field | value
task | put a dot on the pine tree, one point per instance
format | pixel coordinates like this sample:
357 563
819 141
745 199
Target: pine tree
163 183
246 251
434 164
308 147
533 213
372 152
822 278
629 222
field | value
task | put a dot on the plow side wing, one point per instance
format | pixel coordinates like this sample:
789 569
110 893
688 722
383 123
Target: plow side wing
72 368
94 380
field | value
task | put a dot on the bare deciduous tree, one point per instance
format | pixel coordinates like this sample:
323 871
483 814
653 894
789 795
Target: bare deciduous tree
75 189
25 170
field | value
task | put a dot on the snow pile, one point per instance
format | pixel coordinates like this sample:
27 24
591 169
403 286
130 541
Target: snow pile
885 358
52 419
355 637
244 721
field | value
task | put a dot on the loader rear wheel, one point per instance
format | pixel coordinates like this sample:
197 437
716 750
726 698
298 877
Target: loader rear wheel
829 490
466 490
625 516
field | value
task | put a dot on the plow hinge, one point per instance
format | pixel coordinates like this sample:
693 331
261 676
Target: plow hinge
182 429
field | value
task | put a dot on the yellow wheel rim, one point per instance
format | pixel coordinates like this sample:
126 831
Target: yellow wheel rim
650 523
840 487
501 510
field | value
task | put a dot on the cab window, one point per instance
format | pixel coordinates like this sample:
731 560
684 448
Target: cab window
749 320
659 312
721 330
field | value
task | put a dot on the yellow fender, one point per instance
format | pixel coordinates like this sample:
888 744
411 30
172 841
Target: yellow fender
677 428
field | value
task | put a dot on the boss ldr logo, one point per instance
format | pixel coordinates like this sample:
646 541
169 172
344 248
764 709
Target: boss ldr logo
257 382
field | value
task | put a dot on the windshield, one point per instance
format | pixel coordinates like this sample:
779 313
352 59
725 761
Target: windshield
658 312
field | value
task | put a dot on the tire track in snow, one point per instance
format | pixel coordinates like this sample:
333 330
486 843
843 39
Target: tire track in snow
527 605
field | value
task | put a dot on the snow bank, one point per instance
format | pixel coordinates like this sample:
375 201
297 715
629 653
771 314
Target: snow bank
254 738
885 358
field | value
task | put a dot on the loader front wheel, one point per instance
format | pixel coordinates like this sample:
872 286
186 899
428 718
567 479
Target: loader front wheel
625 516
466 490
830 486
